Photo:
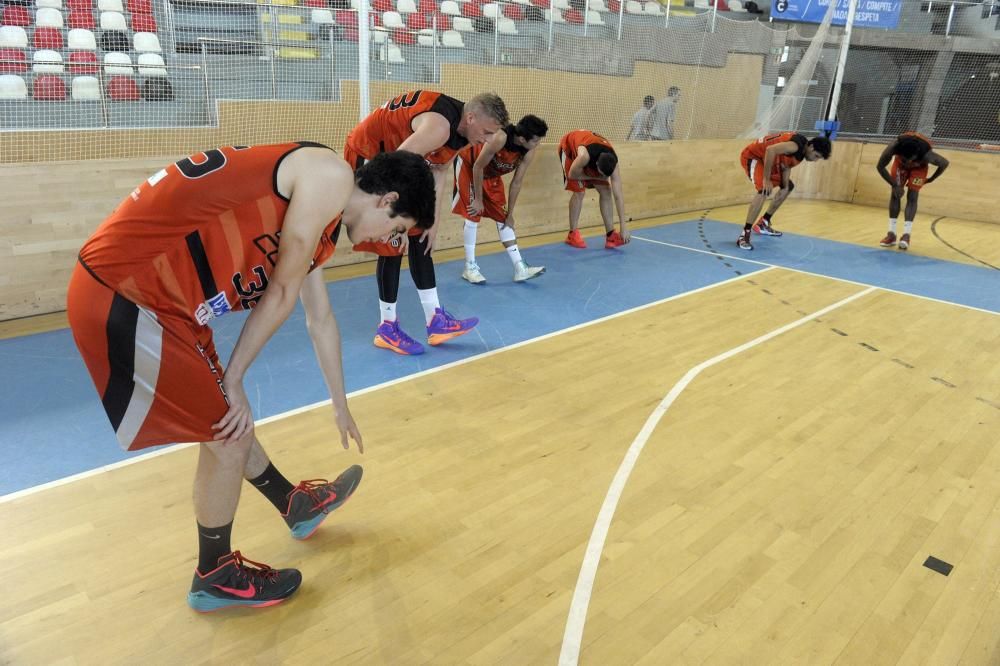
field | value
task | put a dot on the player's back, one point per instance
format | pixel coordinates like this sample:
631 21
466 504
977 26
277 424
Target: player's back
199 237
758 148
388 126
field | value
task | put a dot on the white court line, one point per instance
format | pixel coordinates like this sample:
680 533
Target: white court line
573 636
822 275
298 410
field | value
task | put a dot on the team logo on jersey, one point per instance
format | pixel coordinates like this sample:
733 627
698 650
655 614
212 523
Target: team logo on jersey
917 181
214 307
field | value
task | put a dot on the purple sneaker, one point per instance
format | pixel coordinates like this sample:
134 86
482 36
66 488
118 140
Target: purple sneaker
390 336
444 327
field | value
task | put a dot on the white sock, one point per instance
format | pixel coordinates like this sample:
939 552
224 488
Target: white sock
514 254
469 235
892 225
429 302
506 236
907 226
387 311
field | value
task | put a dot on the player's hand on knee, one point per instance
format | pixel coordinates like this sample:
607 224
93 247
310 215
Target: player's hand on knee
237 422
767 190
429 235
897 191
348 429
476 207
509 221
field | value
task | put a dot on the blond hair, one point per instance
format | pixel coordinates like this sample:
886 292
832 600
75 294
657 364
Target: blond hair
489 104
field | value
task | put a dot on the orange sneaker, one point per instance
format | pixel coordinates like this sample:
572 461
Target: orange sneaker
613 240
889 240
574 239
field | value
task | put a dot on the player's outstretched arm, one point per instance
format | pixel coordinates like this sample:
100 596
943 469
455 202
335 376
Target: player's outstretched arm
939 161
883 162
325 336
491 148
430 132
619 194
318 184
515 184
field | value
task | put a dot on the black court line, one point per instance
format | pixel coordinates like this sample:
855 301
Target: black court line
961 252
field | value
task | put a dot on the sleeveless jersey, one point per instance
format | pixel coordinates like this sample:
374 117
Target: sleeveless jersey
385 128
756 150
200 237
595 144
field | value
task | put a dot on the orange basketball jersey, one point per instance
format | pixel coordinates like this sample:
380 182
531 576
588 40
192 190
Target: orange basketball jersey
756 150
200 237
385 128
576 139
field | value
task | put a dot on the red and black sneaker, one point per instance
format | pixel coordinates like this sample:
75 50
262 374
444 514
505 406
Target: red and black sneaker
889 240
311 502
238 581
613 240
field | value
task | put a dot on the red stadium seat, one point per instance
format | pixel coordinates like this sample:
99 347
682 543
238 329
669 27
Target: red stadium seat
443 22
573 16
427 6
346 17
514 12
47 38
143 23
140 6
351 34
16 15
614 6
317 4
50 88
471 10
83 62
544 4
418 21
123 89
404 37
81 18
13 61
383 6
87 5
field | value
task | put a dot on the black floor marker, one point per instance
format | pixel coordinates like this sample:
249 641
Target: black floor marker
940 566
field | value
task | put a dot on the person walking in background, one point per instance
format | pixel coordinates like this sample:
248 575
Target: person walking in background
664 115
642 121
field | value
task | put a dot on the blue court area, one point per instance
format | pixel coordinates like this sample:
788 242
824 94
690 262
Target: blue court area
52 424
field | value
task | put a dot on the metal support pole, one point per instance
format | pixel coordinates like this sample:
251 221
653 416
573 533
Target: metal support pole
364 48
586 21
496 38
208 93
434 48
666 21
951 15
715 11
842 61
552 19
621 18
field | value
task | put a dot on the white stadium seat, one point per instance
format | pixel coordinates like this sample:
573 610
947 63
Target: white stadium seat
151 64
146 42
86 89
110 6
491 10
46 17
113 21
13 87
81 40
452 39
13 37
463 24
47 62
406 6
392 20
379 35
561 4
554 15
322 16
652 9
54 4
593 18
117 63
391 53
450 7
505 26
426 37
633 7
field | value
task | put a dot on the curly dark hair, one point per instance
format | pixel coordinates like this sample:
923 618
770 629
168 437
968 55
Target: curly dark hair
911 148
408 175
606 163
531 126
822 145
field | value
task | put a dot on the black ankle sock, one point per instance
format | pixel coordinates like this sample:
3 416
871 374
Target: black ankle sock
767 217
213 543
274 487
747 226
608 233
